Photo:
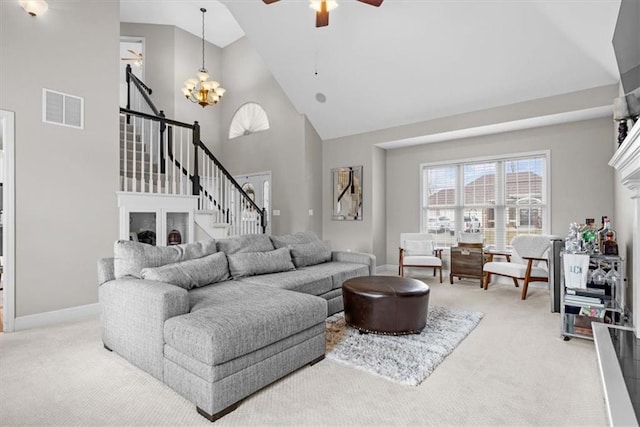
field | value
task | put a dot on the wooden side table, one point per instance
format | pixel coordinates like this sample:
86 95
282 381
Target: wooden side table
467 260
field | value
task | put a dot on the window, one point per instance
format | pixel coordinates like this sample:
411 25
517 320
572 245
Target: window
494 200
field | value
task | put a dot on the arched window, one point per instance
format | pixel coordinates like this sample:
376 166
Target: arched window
249 118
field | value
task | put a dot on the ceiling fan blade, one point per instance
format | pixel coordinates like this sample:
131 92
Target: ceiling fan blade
270 1
375 3
322 16
133 52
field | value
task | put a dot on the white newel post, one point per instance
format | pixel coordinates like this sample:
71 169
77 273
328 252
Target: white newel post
627 161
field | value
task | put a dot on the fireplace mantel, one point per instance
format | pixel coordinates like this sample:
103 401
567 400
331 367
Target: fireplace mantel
627 161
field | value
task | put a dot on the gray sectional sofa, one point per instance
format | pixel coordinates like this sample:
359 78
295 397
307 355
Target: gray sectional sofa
218 320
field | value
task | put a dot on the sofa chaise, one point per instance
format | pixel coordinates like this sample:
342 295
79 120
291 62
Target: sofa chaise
218 320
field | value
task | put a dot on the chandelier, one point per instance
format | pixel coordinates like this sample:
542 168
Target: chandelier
202 90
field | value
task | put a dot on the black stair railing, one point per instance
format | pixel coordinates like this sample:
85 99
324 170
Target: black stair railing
166 134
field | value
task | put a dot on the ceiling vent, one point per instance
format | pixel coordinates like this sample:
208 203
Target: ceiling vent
62 109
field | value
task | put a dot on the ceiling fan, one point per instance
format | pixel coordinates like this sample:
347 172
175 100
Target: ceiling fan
322 8
136 58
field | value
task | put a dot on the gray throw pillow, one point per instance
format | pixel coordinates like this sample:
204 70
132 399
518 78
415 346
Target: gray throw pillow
246 243
193 273
131 257
254 263
310 253
294 239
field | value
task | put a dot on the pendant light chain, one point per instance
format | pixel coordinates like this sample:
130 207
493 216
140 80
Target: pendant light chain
203 10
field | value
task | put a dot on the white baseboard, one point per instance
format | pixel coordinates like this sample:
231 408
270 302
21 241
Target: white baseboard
57 316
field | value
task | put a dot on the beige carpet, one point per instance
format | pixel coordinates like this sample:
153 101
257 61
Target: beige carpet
514 369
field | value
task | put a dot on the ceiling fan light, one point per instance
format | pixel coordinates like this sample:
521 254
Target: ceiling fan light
34 7
317 5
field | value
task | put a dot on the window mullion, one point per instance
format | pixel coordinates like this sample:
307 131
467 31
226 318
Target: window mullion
500 214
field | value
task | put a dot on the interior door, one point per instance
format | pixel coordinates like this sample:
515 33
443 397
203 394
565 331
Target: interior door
258 187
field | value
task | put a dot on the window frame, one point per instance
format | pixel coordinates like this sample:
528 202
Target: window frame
500 209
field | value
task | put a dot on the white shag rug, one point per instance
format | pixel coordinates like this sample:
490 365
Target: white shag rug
407 359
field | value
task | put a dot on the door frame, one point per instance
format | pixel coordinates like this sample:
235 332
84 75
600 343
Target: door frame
242 176
7 121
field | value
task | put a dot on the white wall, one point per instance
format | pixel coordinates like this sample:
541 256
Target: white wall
66 179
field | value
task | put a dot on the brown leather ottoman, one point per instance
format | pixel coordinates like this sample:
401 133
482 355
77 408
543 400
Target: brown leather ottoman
386 304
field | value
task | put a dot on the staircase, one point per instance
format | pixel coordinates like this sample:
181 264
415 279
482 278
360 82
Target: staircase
163 156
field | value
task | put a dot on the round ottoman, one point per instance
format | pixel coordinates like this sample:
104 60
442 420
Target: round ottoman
386 304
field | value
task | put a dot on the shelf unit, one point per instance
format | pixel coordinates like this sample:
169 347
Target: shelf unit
150 218
575 324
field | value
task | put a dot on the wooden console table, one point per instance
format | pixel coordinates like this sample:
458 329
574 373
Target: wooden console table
467 260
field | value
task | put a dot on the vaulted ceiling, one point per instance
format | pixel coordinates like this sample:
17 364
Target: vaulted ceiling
411 60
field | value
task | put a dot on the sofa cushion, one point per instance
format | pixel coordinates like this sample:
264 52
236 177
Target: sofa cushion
338 271
131 257
304 254
230 319
252 263
294 239
245 243
303 280
193 273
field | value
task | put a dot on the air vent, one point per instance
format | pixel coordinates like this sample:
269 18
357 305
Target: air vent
62 109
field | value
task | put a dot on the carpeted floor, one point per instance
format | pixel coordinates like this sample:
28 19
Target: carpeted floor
513 369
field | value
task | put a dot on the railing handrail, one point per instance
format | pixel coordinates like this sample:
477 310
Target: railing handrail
144 90
156 118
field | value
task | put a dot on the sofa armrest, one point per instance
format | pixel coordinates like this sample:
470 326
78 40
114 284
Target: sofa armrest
356 257
133 312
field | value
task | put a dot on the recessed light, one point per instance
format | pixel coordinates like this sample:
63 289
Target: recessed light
321 97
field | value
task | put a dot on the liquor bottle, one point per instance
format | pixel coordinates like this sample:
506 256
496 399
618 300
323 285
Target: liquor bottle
589 233
610 246
602 233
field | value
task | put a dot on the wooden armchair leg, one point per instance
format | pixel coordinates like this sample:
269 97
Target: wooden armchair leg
434 271
525 287
440 274
487 278
515 282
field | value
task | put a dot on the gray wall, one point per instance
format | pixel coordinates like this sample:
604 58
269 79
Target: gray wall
280 149
313 176
172 56
579 155
159 73
188 60
66 179
581 180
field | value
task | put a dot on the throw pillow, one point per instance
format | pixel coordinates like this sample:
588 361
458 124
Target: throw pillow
418 247
310 253
246 243
131 257
294 239
193 273
253 263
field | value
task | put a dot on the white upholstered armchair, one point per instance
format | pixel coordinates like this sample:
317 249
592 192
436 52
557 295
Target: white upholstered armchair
417 250
527 262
